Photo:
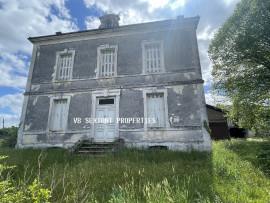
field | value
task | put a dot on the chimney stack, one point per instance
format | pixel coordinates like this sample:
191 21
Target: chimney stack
109 21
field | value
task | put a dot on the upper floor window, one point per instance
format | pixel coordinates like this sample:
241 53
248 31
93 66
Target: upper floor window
153 56
65 67
107 60
64 64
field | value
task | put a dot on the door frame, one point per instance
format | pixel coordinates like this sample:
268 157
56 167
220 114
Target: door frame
105 93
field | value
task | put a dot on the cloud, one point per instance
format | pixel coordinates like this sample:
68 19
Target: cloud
14 104
13 68
92 22
19 20
216 99
137 11
9 120
25 18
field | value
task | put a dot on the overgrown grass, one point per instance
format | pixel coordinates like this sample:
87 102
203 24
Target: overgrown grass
229 174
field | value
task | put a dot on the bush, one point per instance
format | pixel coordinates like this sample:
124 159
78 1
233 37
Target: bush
23 193
9 136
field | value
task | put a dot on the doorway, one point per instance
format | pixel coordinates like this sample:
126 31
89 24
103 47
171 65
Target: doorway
105 119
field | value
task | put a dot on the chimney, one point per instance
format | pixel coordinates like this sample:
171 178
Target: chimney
109 21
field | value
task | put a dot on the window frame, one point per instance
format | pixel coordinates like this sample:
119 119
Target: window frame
144 57
99 51
52 100
57 67
147 92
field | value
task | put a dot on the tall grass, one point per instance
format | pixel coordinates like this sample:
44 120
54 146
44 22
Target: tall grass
133 175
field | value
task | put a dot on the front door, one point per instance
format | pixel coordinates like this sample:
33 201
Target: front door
105 115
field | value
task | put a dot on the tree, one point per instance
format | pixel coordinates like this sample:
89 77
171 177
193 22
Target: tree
240 52
8 137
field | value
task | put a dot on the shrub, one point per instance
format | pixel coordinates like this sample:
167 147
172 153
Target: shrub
23 193
9 136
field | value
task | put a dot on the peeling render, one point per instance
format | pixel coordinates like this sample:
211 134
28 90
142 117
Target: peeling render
180 84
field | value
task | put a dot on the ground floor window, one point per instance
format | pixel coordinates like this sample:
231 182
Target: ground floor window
59 115
156 110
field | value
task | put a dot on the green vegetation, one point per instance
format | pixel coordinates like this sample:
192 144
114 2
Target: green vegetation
236 171
240 53
8 137
25 193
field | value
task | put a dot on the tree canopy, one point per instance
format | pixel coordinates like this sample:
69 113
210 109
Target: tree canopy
240 52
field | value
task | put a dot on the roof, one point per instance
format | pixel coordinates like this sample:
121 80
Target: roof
192 21
214 108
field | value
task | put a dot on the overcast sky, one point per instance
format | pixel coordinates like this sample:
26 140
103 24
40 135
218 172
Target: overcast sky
20 19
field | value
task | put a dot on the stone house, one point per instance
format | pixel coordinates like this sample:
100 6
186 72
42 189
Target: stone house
140 83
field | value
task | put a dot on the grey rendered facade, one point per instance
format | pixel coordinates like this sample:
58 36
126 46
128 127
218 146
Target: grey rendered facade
129 88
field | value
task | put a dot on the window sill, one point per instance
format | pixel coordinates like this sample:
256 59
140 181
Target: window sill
62 81
57 132
154 73
106 77
156 128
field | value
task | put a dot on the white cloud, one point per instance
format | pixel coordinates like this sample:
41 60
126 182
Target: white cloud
23 18
9 120
134 11
204 38
13 102
9 79
216 99
207 33
206 64
230 2
13 68
92 22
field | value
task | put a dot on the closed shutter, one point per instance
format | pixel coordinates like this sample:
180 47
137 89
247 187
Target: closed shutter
59 115
155 109
153 63
65 64
107 63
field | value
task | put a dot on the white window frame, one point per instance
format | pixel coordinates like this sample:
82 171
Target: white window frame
57 67
144 57
165 94
52 99
104 48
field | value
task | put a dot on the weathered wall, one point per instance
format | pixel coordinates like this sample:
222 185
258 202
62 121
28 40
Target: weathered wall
131 106
184 109
80 107
176 56
37 113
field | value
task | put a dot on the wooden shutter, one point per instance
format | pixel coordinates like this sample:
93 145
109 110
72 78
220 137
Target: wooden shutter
155 109
153 63
65 67
107 63
59 115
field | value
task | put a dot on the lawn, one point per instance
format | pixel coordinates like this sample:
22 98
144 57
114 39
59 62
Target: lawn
236 171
